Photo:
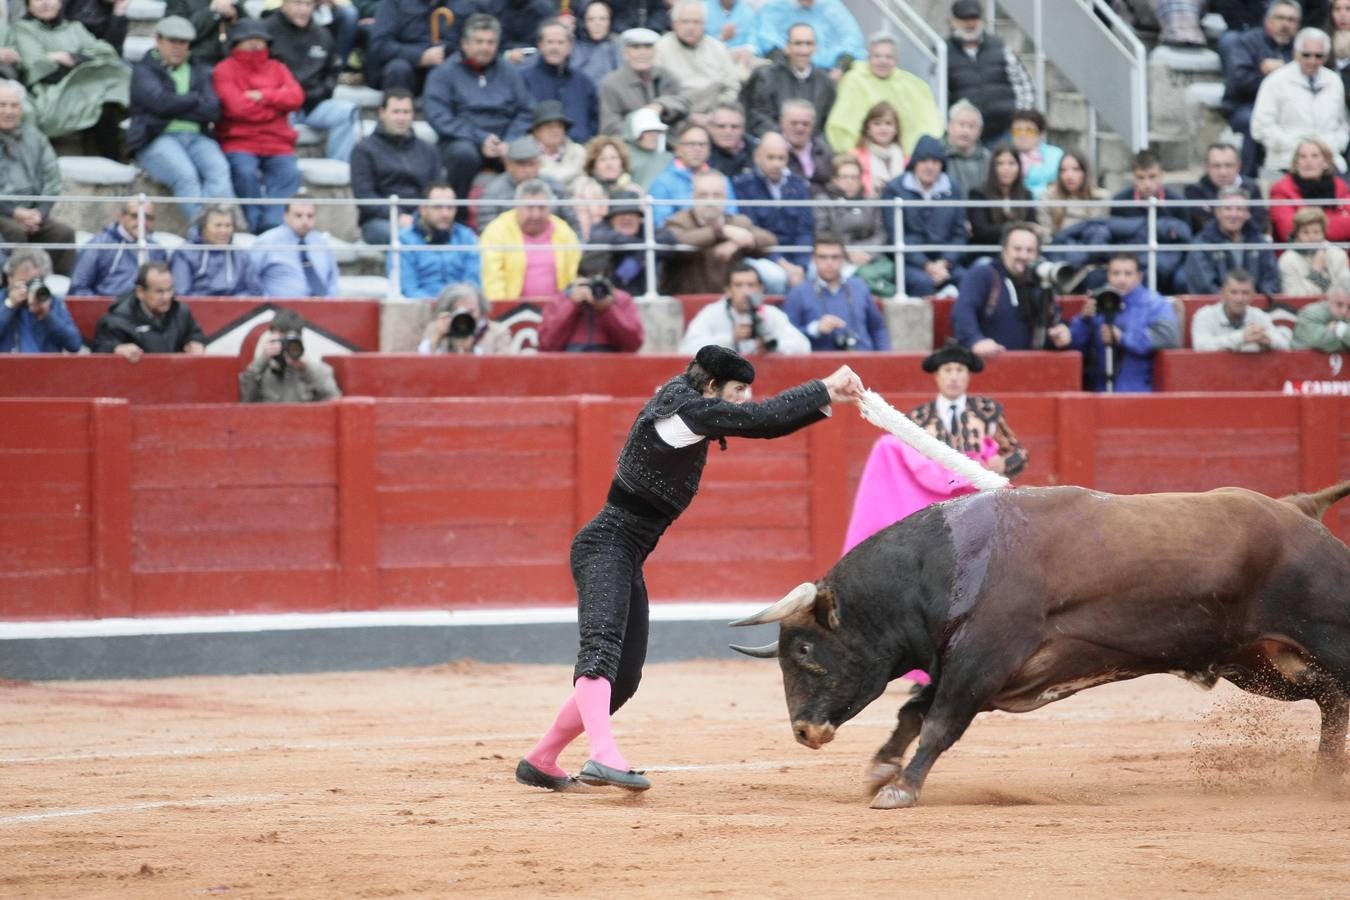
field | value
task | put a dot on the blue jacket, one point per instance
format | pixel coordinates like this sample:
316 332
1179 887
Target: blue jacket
212 273
1141 212
792 224
675 182
423 273
927 224
22 332
1116 230
107 273
837 32
1206 269
155 103
1013 326
808 301
462 104
574 89
1147 323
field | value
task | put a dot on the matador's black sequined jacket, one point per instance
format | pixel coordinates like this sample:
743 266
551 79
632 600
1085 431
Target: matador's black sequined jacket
667 477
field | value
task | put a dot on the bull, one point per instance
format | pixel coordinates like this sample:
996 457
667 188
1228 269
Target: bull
1014 599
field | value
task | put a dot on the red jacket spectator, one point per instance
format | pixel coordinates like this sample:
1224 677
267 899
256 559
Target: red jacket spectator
577 321
1282 217
249 125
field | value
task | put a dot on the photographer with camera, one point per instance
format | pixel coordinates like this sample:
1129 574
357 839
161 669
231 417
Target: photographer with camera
742 321
1120 327
281 372
31 319
834 312
461 324
591 316
1010 304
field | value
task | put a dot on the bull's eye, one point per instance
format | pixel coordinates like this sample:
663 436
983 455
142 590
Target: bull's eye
804 650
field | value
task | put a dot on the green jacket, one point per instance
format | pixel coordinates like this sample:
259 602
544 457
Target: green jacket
75 100
27 166
1313 330
860 90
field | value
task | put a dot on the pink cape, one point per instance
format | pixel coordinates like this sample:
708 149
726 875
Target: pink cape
899 480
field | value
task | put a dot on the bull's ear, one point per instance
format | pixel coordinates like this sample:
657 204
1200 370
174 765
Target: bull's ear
826 609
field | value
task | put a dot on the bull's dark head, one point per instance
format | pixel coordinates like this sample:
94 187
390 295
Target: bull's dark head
829 672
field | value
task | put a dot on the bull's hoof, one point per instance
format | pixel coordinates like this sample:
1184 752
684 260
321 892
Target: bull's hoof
881 773
893 796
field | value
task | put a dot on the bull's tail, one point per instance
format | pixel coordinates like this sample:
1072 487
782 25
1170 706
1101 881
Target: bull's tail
1314 506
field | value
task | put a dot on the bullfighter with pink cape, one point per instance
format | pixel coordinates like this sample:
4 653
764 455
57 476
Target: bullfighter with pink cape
899 480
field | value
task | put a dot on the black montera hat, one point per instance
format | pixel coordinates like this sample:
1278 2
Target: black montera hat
952 352
724 365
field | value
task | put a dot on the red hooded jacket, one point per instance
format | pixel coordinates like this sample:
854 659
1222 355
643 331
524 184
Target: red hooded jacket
252 126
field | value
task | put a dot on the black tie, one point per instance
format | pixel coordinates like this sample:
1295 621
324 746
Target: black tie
956 422
316 285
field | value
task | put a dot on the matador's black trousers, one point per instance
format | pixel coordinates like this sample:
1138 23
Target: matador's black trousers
607 558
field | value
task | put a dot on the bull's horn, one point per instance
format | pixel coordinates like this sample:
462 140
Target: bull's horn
768 651
800 598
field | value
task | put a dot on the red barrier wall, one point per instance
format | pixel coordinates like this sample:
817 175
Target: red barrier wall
118 509
1292 371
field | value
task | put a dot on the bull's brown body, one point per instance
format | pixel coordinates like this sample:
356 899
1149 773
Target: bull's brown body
1015 599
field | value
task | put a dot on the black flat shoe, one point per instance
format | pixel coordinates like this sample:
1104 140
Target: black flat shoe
599 774
528 775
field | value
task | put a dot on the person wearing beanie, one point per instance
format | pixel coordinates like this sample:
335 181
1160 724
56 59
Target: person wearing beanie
925 178
658 474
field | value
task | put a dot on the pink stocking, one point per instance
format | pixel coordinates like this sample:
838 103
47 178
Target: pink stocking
566 726
592 699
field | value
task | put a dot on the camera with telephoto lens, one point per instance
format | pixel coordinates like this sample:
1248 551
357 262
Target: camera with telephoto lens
38 292
757 330
292 346
1109 303
463 324
1055 276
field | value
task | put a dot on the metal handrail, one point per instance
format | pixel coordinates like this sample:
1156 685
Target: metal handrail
650 246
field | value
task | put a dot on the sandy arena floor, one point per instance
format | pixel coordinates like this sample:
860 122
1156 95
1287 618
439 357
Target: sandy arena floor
394 783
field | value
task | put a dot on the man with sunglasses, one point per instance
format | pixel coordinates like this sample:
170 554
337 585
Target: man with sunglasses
1299 100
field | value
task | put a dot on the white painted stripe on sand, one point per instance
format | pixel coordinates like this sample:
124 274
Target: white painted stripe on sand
72 812
136 807
544 615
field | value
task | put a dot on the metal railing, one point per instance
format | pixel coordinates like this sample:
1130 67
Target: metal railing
1097 51
648 244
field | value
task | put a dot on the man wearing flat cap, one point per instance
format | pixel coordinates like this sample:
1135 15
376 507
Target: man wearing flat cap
173 112
621 227
658 474
523 161
639 83
985 71
898 480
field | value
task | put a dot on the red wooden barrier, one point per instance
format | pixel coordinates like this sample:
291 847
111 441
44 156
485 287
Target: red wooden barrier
352 323
118 509
1291 371
572 374
156 378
